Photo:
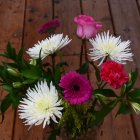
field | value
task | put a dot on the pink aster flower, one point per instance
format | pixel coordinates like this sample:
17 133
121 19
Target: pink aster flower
87 26
50 25
114 74
77 89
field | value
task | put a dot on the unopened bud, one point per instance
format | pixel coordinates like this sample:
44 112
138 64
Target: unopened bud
136 107
13 71
17 84
102 97
33 62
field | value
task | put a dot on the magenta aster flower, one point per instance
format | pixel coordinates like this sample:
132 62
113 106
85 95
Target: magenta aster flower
77 89
50 25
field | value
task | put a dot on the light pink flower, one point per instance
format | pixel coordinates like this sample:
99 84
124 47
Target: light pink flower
87 26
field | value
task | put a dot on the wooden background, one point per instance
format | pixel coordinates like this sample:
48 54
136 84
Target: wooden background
19 20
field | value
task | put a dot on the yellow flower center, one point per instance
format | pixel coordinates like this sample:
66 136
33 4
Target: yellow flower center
43 105
108 47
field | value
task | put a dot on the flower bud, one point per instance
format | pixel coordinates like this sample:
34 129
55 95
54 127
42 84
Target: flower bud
33 62
136 107
17 84
102 97
13 71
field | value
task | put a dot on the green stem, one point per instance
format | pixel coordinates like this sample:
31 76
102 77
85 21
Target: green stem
103 85
82 48
61 60
53 62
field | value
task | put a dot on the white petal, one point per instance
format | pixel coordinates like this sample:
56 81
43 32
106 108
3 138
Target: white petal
107 45
42 103
48 46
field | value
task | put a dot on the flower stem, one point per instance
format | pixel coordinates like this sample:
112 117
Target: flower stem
61 60
81 53
53 62
103 85
82 48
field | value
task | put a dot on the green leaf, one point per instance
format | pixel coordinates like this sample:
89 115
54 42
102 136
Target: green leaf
11 52
124 108
84 68
137 100
105 92
15 98
28 81
123 89
57 76
20 54
8 87
133 78
6 102
134 93
100 115
32 73
58 72
53 134
62 64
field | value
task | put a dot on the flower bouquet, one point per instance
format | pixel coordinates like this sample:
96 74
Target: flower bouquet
45 93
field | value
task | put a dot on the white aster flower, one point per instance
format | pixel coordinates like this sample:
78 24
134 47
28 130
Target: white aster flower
107 45
41 105
48 46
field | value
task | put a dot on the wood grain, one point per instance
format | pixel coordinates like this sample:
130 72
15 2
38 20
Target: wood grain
37 13
66 10
91 7
11 23
20 20
126 23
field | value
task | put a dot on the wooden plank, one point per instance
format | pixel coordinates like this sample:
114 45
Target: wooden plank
126 23
138 3
66 10
37 13
91 8
111 125
11 16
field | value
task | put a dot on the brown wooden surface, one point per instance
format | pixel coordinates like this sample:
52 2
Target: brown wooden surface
11 24
19 20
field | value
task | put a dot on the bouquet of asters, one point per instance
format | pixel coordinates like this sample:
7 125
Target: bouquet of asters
45 93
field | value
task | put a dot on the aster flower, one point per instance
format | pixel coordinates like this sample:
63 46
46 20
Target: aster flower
114 74
107 45
50 25
48 46
77 89
41 105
